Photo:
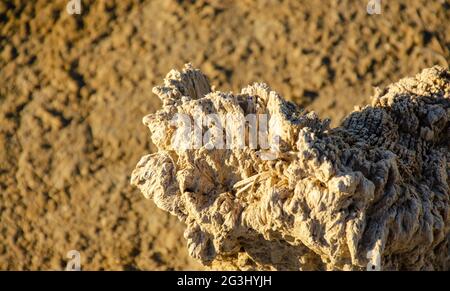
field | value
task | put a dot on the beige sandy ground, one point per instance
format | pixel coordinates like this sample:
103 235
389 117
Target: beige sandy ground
74 88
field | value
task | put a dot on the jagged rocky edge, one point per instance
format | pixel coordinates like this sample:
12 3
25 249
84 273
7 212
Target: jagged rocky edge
378 183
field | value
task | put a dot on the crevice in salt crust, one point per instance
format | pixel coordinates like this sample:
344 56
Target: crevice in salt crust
378 183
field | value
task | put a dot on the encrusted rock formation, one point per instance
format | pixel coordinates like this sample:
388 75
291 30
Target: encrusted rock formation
327 198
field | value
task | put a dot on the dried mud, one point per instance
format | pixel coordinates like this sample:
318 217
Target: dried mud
74 88
306 196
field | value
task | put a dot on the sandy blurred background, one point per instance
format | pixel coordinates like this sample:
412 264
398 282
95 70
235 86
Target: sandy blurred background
74 89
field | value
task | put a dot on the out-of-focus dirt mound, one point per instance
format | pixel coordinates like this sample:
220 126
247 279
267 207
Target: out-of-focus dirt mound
73 90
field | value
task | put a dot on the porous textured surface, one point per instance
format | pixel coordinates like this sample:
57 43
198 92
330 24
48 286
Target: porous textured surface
73 89
377 183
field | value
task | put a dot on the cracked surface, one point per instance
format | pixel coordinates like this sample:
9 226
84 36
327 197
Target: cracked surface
377 183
